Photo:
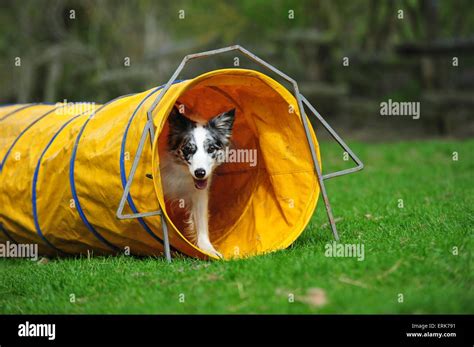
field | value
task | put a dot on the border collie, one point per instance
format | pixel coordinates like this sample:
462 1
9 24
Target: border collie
195 149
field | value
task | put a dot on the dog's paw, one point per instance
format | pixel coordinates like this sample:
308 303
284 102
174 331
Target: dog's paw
208 248
217 254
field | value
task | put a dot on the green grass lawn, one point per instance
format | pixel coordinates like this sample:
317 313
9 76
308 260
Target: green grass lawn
408 251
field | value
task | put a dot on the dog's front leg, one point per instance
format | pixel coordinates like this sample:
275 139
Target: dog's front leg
200 215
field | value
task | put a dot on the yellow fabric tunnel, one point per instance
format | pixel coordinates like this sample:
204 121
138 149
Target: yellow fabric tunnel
64 168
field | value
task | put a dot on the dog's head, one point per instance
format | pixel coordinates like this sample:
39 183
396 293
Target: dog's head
200 146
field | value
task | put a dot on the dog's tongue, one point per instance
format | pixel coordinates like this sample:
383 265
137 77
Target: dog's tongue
200 184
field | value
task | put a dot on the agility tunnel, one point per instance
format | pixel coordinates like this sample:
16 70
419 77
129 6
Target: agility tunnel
64 168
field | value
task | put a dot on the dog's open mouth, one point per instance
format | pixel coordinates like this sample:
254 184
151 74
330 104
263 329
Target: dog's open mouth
200 184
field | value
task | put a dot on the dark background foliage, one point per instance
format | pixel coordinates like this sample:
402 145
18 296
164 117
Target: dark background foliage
403 59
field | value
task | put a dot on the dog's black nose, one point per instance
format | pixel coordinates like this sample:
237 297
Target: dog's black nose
200 173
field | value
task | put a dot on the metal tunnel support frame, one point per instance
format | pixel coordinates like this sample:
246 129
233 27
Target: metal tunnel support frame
302 101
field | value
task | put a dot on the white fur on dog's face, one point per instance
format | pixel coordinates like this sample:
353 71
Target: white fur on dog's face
200 146
201 159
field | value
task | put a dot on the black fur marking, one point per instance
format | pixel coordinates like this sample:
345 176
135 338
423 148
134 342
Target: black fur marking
213 145
180 128
187 148
220 127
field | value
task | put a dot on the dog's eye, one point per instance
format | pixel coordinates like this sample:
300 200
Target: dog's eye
188 149
212 149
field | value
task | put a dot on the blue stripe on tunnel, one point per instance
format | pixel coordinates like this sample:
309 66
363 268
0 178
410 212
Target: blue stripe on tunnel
122 167
15 111
2 164
35 181
73 184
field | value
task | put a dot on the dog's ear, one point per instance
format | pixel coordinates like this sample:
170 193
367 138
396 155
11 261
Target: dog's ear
223 122
178 121
179 125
